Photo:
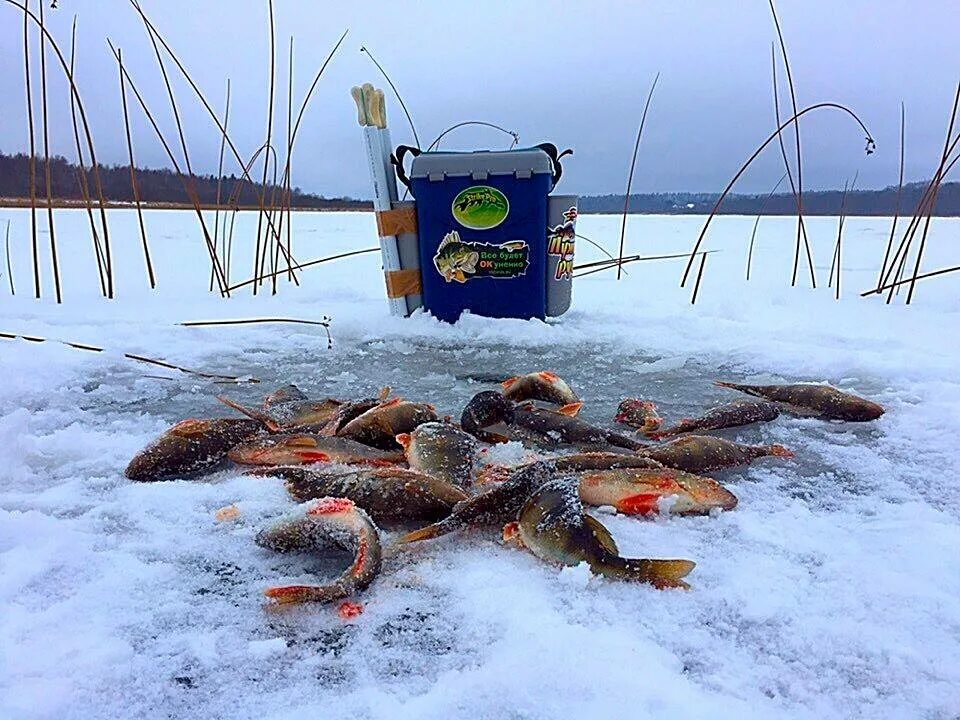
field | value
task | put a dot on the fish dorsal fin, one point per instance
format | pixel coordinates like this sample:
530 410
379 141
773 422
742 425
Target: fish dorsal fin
389 403
548 376
302 441
570 409
190 427
509 383
267 421
602 534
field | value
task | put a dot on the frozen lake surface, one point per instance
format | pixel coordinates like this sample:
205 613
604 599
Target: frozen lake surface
830 592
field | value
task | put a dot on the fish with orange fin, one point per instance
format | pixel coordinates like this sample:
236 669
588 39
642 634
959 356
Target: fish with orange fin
546 386
820 400
488 416
189 447
307 449
639 414
380 425
388 494
495 506
576 463
441 449
703 453
735 414
280 415
322 525
565 428
637 491
553 526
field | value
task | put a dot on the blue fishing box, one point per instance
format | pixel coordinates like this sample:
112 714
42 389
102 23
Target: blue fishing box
482 227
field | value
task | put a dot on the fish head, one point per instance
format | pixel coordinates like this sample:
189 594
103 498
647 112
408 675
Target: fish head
170 451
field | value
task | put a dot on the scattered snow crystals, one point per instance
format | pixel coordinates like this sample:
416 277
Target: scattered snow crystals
266 648
830 592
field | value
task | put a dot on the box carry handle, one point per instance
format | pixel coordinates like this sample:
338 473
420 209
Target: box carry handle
397 161
551 150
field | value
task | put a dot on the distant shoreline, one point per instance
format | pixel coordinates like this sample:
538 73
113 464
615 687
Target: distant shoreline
357 206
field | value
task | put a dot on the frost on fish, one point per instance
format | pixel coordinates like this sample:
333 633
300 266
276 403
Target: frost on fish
808 398
189 447
386 494
554 527
441 449
542 385
321 525
703 453
735 414
635 491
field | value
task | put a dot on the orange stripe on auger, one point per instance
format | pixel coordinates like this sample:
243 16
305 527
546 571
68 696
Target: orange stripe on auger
396 222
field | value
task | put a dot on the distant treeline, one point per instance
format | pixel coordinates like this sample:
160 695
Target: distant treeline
821 202
163 186
156 186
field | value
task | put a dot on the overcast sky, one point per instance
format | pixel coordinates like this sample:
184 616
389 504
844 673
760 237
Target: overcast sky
575 74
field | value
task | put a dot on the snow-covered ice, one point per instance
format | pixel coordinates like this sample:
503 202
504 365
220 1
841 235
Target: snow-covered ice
830 592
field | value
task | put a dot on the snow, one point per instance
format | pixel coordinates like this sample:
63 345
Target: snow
830 592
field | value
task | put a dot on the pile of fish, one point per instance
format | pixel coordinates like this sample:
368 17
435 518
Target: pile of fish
354 464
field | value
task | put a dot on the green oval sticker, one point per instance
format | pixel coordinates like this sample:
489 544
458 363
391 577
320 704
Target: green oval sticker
480 207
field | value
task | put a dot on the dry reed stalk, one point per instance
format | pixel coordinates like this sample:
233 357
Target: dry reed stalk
932 273
900 256
256 255
799 188
696 287
396 93
324 323
633 164
132 356
301 266
82 170
216 217
206 105
191 194
756 224
743 168
46 163
837 253
786 164
33 153
933 201
133 176
89 138
896 214
601 265
6 243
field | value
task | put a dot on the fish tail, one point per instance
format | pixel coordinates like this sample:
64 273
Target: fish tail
425 533
570 409
780 451
659 573
288 594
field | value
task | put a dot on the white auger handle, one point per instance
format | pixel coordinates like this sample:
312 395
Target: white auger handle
371 106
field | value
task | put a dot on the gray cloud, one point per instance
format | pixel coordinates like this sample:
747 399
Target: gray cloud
572 73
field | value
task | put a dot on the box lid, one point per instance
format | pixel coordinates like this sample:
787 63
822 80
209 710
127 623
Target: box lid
481 164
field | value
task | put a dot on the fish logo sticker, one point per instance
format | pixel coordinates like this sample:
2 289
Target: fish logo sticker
480 207
561 242
458 260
